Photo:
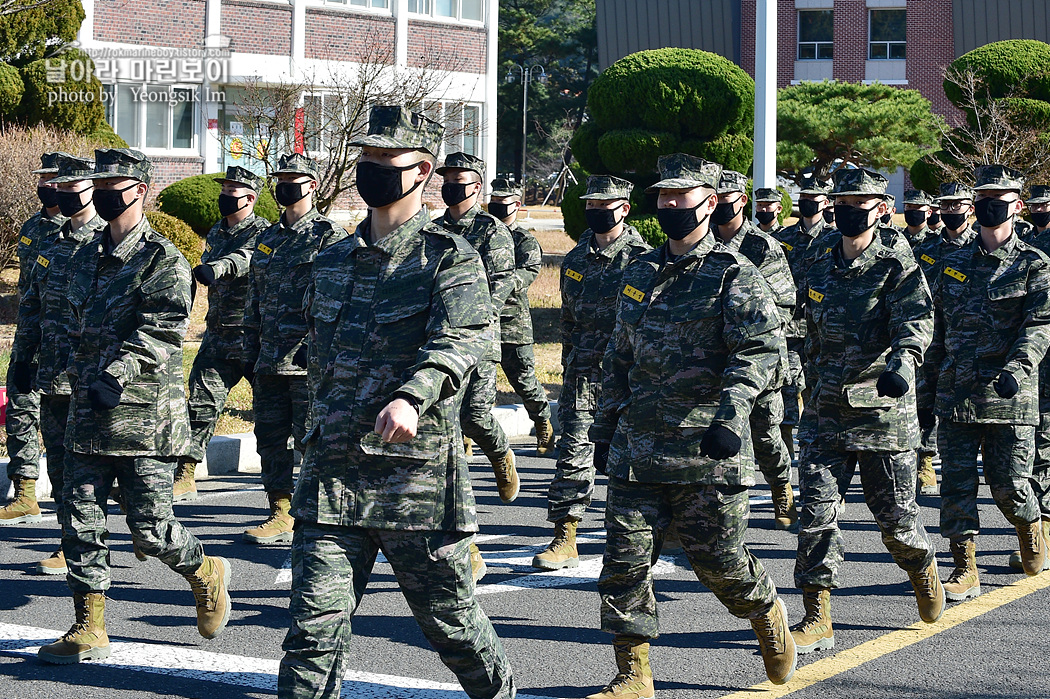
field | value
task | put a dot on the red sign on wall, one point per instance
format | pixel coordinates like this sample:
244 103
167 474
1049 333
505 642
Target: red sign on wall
300 128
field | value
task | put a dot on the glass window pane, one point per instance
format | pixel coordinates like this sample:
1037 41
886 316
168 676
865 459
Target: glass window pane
470 9
825 52
158 123
889 25
897 51
182 120
380 3
807 52
471 118
815 25
445 8
877 51
128 115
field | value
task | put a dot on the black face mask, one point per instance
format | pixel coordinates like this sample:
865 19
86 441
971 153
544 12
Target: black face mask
228 204
287 193
993 212
914 217
954 222
380 185
933 221
453 193
886 219
829 215
601 220
766 217
48 196
808 208
678 223
1041 219
724 212
110 204
852 220
72 203
501 211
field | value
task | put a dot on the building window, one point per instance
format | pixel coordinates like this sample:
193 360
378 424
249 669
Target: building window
153 117
888 34
374 4
451 9
815 35
462 126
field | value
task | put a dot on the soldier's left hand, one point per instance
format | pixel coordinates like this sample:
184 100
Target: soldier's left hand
1006 385
720 442
204 274
397 422
105 392
891 384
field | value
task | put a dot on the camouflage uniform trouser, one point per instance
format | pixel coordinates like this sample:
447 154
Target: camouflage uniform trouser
712 525
210 382
569 494
1008 457
330 569
23 440
476 415
519 364
145 487
54 413
794 390
281 403
1041 465
771 453
889 490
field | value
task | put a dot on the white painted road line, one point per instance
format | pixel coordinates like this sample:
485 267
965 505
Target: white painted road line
221 668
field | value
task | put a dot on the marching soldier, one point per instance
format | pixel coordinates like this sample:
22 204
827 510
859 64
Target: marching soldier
130 298
768 207
694 345
398 313
219 363
275 334
891 208
916 214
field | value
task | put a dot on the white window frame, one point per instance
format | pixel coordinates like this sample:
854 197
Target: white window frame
815 44
141 106
439 111
350 6
430 12
888 44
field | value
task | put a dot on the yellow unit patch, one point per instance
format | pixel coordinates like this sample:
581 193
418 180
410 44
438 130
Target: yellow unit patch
264 249
42 261
574 275
816 295
927 259
827 250
26 241
786 246
632 293
955 274
207 247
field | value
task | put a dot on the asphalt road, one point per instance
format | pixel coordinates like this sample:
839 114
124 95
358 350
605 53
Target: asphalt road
994 646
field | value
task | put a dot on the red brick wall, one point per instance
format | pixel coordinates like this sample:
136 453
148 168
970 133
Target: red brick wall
257 27
454 48
349 36
931 47
787 39
851 40
172 23
170 169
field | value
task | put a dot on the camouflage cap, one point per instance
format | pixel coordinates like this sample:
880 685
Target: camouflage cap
683 171
72 168
607 188
462 161
859 182
950 191
809 183
998 177
48 163
240 175
297 164
503 187
397 127
1040 194
917 197
768 194
891 200
122 162
732 181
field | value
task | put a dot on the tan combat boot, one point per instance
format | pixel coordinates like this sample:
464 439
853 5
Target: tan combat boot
544 437
963 583
506 476
929 593
468 447
785 516
211 591
776 644
278 527
927 480
815 631
55 564
1015 557
23 508
477 563
561 553
634 677
1033 548
185 487
87 639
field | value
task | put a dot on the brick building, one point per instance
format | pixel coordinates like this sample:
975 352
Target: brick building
201 53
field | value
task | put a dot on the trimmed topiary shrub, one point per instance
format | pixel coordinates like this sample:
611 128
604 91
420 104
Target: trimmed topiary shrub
649 228
585 148
106 137
572 210
195 200
634 150
73 105
179 233
1014 66
11 88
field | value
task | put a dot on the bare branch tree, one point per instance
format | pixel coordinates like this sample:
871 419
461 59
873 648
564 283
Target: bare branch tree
10 7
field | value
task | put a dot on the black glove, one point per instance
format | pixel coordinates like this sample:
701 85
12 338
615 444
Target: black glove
104 394
22 376
891 384
300 357
601 457
204 274
1006 385
248 372
926 418
719 443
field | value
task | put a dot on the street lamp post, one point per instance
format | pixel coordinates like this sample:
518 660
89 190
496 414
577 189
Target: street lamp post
527 76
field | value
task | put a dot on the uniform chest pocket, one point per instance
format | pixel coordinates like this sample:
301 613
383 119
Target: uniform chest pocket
398 308
631 311
694 309
325 308
1005 292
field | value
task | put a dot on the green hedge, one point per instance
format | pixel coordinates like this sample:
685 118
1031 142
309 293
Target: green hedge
11 88
195 200
79 109
649 228
178 232
572 210
634 150
1007 66
584 146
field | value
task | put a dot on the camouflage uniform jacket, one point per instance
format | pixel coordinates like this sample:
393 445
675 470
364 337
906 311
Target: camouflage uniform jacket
30 236
919 238
228 252
493 241
44 314
516 318
993 315
931 253
274 321
800 247
401 316
695 342
864 317
1041 240
131 308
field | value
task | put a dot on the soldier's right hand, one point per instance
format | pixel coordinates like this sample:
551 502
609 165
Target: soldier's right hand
397 422
204 274
1006 385
22 376
299 359
720 442
601 457
105 393
891 384
927 419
